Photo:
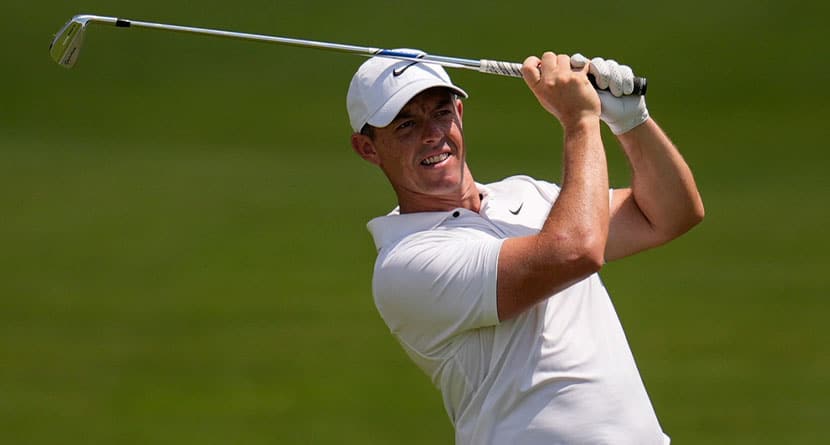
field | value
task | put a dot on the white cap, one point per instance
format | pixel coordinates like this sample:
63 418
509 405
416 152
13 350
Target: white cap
381 87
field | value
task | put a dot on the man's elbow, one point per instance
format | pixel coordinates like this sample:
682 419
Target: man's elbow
700 211
588 254
534 268
574 253
594 257
685 221
696 214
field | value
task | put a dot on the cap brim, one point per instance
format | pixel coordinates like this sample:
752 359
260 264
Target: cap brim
387 113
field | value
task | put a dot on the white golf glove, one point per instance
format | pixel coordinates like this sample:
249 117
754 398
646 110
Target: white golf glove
620 112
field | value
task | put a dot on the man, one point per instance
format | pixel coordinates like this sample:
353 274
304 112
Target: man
492 290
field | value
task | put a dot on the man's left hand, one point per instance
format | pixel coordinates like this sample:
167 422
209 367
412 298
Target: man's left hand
619 111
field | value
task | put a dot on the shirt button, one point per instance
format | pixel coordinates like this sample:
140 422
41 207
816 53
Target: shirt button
455 214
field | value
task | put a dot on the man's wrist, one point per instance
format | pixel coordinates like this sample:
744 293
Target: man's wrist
584 124
630 123
636 132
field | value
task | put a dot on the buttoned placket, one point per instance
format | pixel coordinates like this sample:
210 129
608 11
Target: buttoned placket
481 214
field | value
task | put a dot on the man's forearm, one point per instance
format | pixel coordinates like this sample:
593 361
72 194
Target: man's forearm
571 243
662 183
582 204
572 240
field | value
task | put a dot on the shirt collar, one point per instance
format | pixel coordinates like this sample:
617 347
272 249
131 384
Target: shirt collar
395 226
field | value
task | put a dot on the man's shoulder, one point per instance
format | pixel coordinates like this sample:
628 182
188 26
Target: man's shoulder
390 228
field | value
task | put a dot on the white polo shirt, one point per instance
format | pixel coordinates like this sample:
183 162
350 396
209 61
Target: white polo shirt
559 373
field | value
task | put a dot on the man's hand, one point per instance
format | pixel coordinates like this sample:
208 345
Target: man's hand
562 90
620 112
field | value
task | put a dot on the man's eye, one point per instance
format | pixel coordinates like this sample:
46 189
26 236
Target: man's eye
406 124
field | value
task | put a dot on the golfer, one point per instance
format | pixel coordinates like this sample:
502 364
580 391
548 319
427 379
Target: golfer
492 289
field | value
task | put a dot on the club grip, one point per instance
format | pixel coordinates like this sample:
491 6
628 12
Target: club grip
515 70
640 85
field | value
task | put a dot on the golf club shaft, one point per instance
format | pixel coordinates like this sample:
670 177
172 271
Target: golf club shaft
483 65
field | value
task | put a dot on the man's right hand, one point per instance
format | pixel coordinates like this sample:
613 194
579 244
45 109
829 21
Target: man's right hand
562 90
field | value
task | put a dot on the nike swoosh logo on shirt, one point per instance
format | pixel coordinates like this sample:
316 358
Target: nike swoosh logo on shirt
516 212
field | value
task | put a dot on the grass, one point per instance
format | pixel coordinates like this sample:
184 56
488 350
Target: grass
182 224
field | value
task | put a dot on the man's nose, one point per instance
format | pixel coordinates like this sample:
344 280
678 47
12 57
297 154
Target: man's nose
432 133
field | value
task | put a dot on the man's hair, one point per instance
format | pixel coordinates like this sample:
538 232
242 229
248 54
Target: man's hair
368 130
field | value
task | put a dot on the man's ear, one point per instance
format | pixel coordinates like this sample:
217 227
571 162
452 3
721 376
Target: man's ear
365 148
459 108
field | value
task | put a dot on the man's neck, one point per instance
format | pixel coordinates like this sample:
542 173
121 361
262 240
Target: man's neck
468 198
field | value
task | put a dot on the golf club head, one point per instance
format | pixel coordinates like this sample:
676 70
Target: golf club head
66 45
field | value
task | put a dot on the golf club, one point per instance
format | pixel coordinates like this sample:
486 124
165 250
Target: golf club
66 46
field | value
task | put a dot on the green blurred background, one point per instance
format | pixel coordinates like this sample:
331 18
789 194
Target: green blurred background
183 257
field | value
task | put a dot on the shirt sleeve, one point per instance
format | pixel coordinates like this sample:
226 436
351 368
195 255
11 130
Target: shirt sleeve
435 285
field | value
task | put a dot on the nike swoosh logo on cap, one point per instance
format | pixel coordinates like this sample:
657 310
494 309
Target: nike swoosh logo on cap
516 212
399 71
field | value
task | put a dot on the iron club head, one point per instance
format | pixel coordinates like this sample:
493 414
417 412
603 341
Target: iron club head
66 45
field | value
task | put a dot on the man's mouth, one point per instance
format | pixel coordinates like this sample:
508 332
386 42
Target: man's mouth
432 160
